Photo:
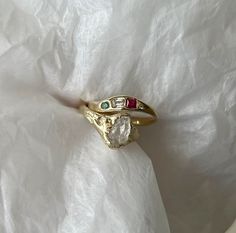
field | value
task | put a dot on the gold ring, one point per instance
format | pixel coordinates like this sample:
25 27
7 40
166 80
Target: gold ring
113 121
119 103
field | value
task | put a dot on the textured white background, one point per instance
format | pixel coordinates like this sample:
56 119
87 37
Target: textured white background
55 173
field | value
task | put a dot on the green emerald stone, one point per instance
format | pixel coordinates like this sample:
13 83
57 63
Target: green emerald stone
105 105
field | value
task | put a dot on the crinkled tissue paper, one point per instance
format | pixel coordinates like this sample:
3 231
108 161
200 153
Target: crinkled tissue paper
57 175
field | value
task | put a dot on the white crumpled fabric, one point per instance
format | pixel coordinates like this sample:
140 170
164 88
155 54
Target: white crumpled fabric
56 174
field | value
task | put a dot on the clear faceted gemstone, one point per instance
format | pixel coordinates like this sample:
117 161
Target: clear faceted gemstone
120 131
118 102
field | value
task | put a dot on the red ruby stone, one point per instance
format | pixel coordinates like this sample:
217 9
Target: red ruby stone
131 103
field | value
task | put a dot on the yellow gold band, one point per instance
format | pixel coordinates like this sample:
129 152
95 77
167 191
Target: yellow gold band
116 104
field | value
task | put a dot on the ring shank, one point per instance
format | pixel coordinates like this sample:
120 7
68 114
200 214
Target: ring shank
136 120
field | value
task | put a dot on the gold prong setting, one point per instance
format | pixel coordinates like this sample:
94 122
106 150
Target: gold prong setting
117 130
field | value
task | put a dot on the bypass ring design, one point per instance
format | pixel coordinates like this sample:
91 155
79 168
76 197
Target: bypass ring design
112 118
